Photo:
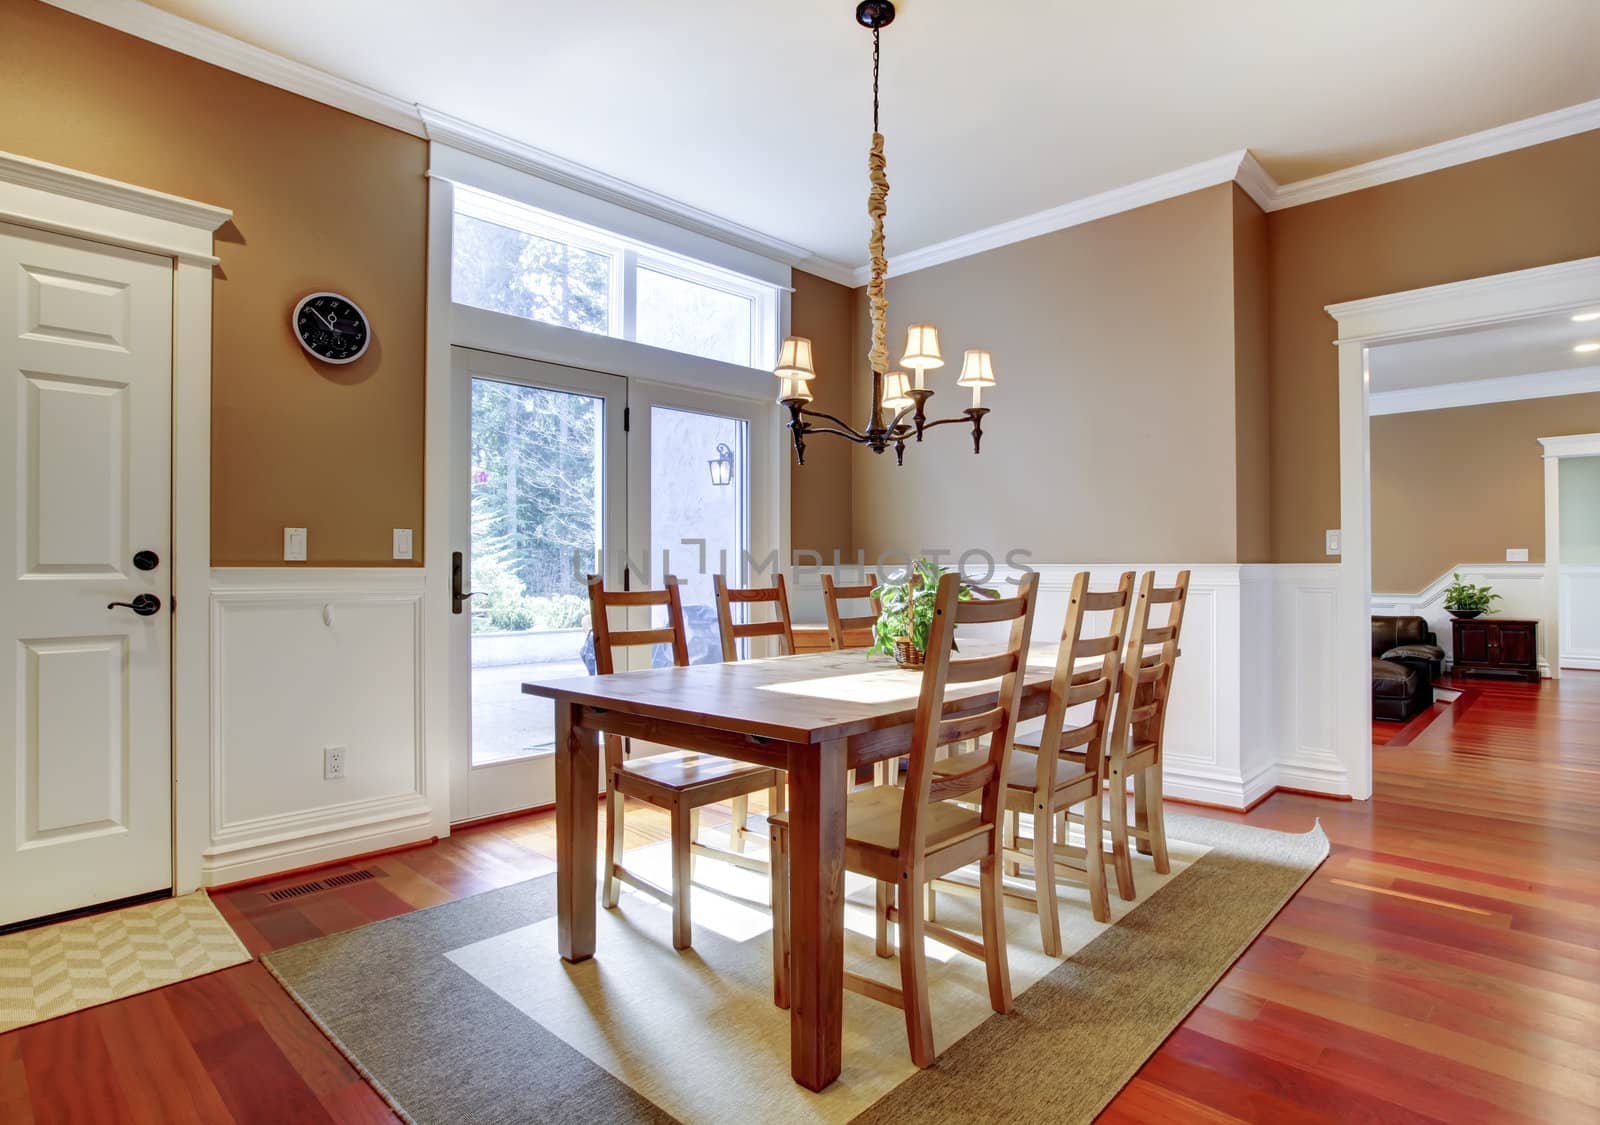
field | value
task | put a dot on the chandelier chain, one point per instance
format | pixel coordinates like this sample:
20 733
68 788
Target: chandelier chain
875 33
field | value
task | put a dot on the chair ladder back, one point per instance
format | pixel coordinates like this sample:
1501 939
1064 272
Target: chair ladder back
839 626
1146 682
930 730
1074 685
607 640
777 595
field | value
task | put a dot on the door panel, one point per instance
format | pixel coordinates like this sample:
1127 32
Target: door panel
86 351
541 456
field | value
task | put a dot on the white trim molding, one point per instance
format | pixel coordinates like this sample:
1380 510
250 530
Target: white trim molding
1526 133
347 645
161 27
1397 316
1558 582
189 38
1580 616
81 205
1168 185
1480 392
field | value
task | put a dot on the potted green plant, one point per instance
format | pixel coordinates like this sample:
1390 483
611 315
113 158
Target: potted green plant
905 617
1465 601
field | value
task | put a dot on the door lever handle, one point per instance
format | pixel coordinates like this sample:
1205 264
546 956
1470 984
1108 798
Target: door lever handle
145 605
458 596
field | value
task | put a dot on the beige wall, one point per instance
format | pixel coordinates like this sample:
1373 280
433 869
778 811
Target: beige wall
1113 434
820 491
321 200
1462 485
1516 211
1252 414
1580 510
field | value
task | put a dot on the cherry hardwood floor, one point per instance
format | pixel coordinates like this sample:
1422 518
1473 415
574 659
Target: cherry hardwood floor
1443 965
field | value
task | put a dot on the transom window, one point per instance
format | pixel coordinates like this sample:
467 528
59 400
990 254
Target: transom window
522 261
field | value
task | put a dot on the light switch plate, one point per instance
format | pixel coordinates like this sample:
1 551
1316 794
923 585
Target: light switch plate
294 544
1334 541
402 542
1516 554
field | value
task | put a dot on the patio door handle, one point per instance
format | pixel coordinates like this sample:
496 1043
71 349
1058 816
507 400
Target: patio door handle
458 597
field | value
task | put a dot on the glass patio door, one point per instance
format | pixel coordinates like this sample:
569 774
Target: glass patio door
543 460
700 499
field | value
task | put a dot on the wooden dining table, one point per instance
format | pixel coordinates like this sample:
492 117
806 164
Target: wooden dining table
817 716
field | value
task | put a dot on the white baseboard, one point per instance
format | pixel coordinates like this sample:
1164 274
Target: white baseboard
323 837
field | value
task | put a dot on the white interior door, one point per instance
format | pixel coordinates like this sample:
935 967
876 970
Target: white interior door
539 459
85 689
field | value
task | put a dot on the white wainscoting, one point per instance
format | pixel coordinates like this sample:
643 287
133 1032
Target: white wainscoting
1580 616
1521 587
1252 706
303 659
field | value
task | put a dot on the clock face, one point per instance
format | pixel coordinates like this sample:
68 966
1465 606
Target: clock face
331 327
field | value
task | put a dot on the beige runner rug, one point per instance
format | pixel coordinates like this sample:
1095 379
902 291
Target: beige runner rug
77 964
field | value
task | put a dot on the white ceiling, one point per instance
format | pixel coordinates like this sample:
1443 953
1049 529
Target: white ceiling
759 111
1523 347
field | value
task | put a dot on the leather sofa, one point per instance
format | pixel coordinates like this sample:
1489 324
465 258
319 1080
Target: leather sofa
1405 661
1409 641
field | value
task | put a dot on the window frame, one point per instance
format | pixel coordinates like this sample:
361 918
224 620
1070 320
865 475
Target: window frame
628 256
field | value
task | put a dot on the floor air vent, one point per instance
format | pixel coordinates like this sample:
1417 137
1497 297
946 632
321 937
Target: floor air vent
299 890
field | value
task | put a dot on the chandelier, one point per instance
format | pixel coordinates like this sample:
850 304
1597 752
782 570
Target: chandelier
900 398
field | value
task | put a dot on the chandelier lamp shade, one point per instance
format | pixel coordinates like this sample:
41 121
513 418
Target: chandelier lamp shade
899 400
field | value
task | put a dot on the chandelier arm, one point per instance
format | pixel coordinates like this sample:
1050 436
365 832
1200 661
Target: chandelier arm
846 426
848 435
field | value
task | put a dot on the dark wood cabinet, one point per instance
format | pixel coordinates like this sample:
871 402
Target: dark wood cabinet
1497 646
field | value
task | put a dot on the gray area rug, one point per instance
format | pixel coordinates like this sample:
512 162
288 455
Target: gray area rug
440 1046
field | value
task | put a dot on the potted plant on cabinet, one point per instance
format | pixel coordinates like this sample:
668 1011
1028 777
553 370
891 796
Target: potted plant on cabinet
906 614
1465 601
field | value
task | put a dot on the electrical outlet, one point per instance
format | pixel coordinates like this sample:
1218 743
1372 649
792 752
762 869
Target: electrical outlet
332 763
1516 554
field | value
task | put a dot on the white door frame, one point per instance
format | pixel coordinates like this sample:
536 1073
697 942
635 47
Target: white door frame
448 327
80 205
1563 287
480 792
1555 448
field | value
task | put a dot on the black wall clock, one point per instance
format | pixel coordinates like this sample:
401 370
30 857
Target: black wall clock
331 327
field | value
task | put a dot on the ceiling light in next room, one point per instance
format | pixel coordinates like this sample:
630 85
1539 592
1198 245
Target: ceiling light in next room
1587 348
1586 316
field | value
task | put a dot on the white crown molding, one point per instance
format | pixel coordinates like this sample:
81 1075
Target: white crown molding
189 38
467 137
1571 445
56 180
1478 392
193 39
1475 301
1446 154
1168 185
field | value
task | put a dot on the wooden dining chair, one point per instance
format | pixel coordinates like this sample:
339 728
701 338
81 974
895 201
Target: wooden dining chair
1141 723
850 632
680 782
1063 766
732 631
906 836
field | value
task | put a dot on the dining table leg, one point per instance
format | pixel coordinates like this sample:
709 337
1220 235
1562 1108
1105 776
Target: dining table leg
817 788
577 817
